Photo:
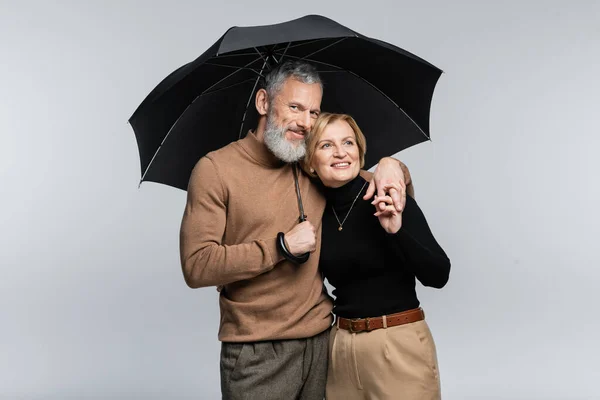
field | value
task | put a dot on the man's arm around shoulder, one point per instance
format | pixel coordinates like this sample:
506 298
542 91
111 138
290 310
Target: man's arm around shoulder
390 170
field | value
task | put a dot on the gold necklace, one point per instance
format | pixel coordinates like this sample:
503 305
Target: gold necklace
348 213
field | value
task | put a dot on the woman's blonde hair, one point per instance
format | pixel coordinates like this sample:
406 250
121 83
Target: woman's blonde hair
315 134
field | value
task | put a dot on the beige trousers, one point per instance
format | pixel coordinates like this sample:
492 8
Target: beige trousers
389 363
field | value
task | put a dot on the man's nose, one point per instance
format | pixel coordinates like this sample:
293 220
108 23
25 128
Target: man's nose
304 120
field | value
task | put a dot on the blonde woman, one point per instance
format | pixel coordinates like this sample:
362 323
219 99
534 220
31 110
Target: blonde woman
380 346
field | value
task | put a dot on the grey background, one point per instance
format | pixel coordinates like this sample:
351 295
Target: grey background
92 301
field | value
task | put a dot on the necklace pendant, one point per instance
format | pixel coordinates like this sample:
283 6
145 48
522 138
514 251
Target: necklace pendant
340 223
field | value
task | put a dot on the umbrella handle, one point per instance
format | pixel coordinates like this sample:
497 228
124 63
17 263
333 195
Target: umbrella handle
304 257
302 217
282 247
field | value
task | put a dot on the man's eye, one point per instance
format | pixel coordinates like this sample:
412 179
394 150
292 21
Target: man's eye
294 107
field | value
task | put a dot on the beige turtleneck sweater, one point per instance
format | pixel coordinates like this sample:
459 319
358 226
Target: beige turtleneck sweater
239 197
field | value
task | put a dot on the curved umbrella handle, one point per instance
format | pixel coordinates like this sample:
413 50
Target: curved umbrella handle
282 247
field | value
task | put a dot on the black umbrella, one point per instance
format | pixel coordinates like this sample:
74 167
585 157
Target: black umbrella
208 102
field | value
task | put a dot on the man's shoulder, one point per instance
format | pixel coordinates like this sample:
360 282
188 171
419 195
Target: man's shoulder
230 162
224 152
221 157
366 175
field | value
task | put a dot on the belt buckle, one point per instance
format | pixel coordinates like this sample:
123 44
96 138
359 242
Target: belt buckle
367 325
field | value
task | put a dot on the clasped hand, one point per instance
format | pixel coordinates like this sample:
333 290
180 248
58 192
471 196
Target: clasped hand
389 217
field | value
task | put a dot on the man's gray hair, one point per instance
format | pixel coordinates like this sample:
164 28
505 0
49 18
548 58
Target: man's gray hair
299 70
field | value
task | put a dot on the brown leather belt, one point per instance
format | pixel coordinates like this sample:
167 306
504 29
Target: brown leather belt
368 324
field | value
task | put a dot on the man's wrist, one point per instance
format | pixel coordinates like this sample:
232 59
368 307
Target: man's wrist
287 254
390 160
403 168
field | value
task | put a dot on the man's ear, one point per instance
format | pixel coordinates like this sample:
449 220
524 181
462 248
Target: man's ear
262 102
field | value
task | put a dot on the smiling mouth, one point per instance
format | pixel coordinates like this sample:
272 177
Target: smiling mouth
297 134
340 165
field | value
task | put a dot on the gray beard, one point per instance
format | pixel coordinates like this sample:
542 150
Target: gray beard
274 137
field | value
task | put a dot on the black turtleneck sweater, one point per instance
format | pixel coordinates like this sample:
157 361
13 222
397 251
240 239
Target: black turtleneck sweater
374 272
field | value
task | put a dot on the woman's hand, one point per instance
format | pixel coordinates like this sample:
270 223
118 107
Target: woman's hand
390 171
389 217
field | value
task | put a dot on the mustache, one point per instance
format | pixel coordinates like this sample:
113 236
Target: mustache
297 130
271 122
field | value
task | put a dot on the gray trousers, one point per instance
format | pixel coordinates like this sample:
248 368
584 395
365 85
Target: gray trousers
275 370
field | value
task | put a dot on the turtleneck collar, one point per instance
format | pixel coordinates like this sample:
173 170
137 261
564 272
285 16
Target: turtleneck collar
259 151
344 195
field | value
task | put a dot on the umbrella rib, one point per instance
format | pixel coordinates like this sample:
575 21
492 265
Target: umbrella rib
232 66
249 99
309 42
272 55
228 76
370 84
164 139
180 115
232 55
226 87
319 62
283 55
392 101
323 48
261 56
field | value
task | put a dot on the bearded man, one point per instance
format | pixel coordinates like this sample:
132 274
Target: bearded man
275 314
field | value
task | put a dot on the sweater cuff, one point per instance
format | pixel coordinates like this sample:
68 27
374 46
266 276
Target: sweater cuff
271 246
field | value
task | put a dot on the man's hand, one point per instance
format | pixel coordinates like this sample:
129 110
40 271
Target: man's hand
301 239
389 174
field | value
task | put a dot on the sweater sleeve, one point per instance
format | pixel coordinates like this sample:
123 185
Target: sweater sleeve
205 260
426 259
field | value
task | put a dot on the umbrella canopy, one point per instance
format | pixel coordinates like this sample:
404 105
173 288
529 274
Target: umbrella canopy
209 102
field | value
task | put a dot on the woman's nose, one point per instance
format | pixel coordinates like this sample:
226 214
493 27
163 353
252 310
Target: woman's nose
339 151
